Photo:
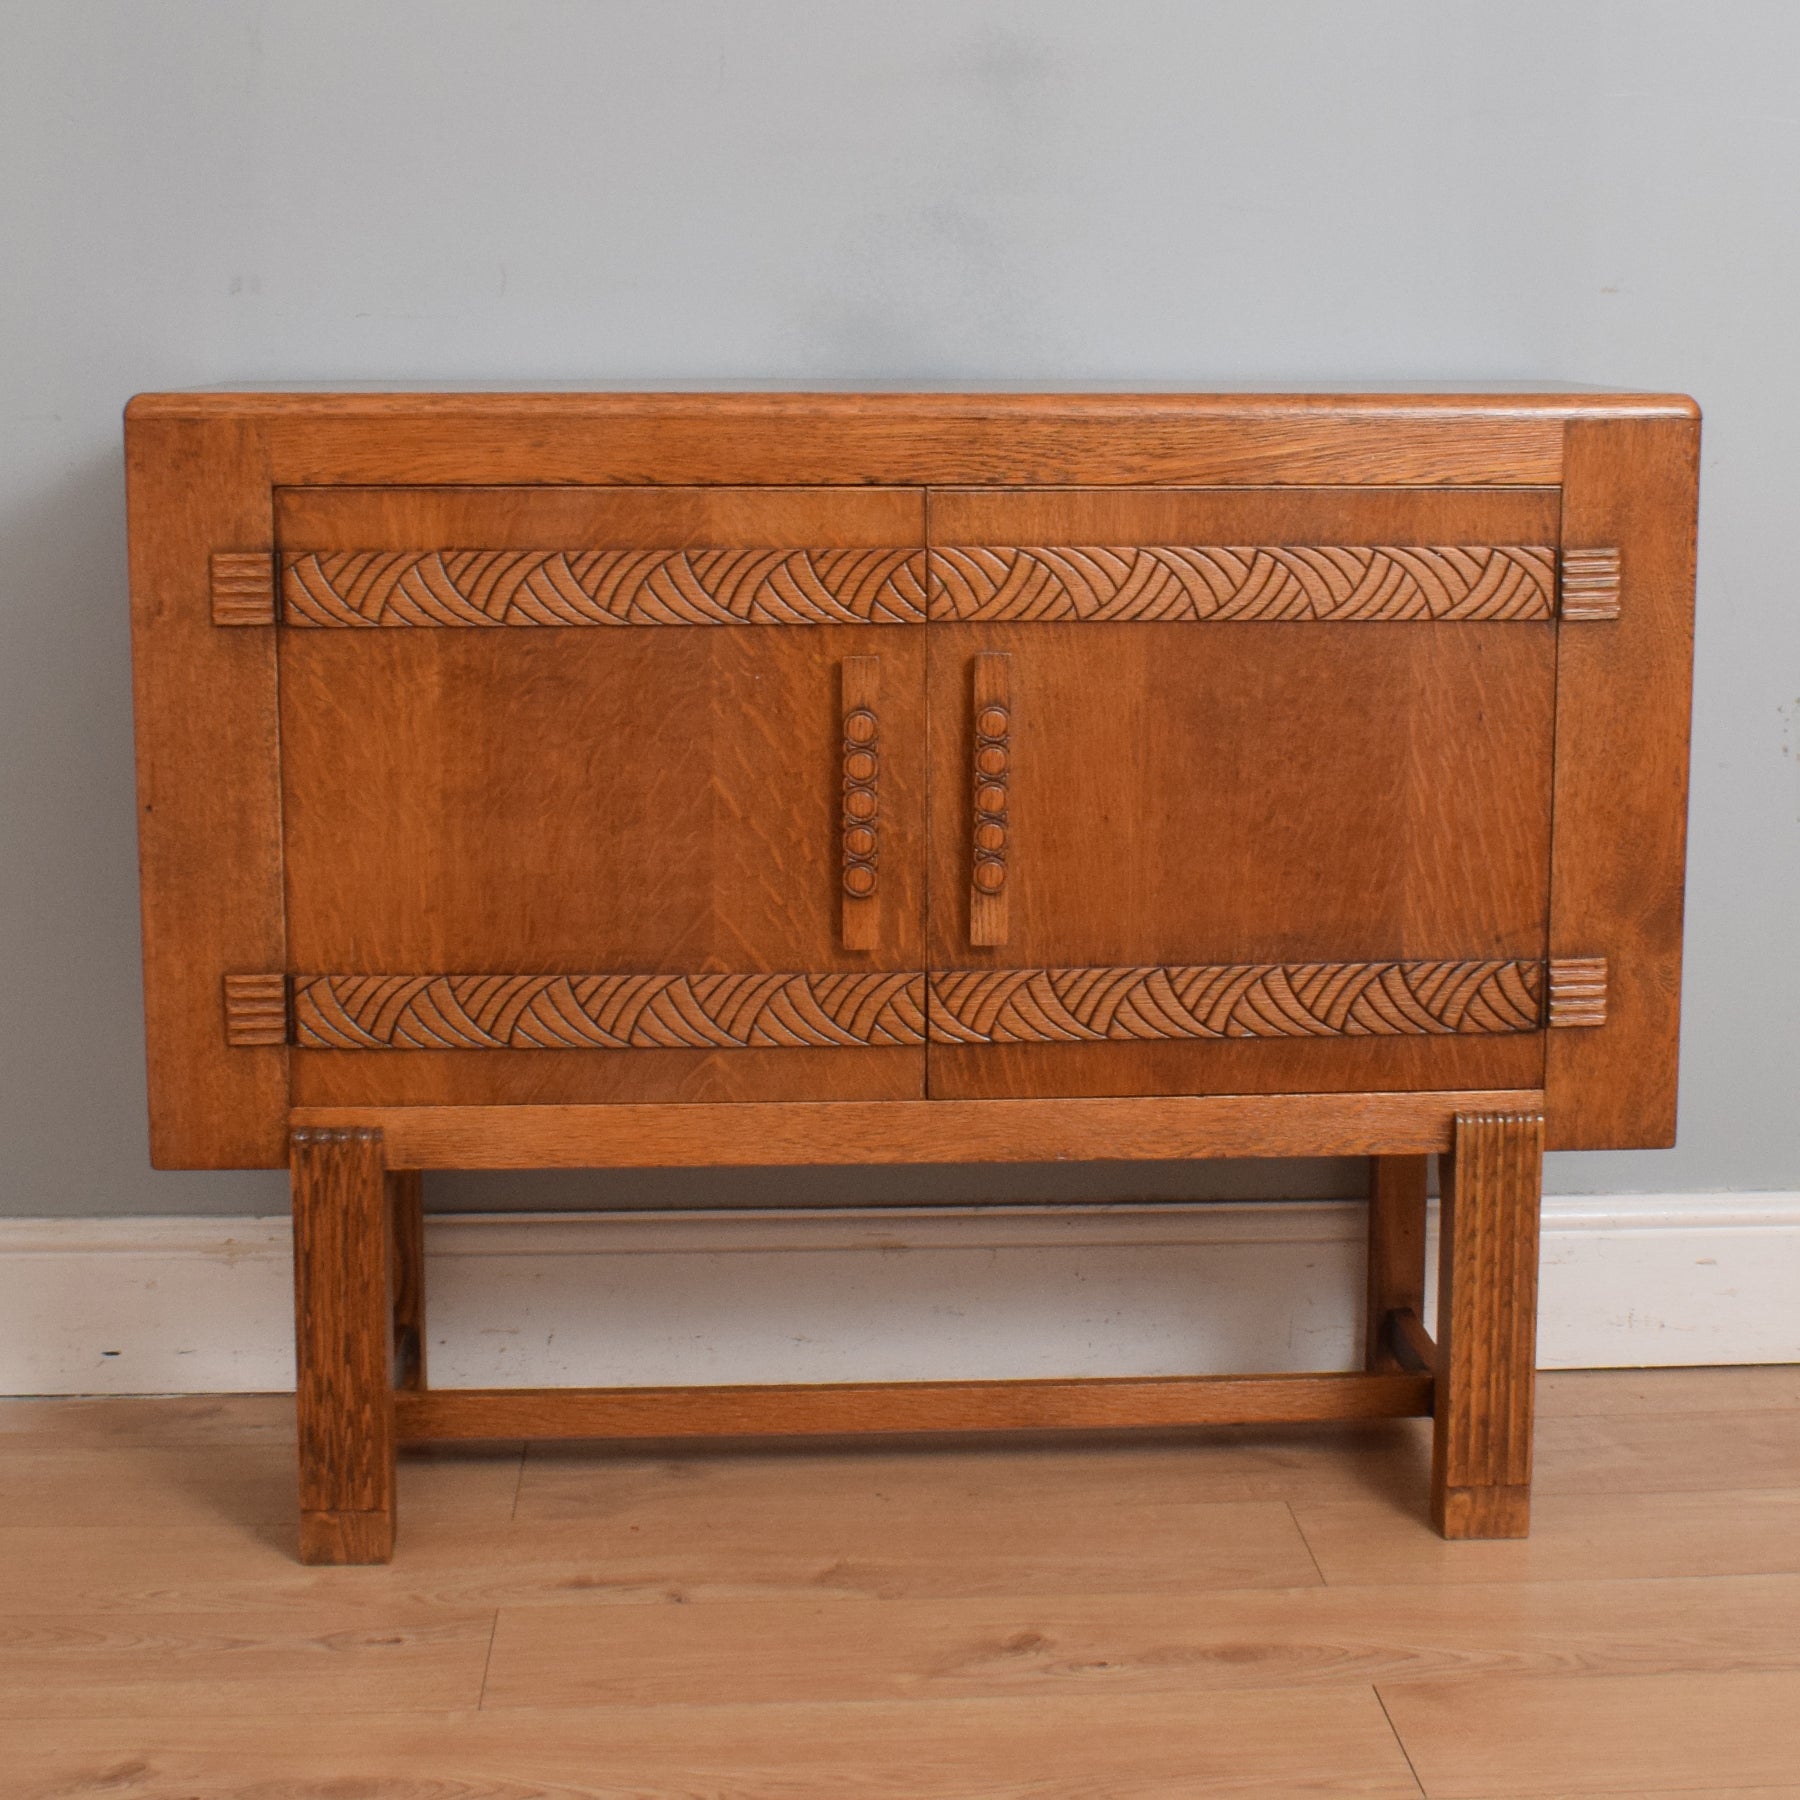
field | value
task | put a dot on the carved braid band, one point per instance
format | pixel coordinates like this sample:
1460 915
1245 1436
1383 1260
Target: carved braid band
888 587
1251 1000
606 1012
1176 582
604 587
990 1006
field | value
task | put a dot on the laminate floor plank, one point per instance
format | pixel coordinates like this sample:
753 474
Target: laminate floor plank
325 1663
96 1421
1215 1612
787 1650
800 1549
1574 1537
248 1485
1527 1737
1266 1746
1390 1460
1576 1393
1666 1453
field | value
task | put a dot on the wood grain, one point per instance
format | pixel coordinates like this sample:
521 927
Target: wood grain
1621 822
344 1357
969 437
614 1012
1254 1000
1599 1536
788 1648
602 587
243 587
341 1660
1487 1326
1591 584
256 1010
1620 1734
1114 583
1168 1128
406 1210
1396 1270
859 838
596 803
1130 1748
906 1406
1577 992
209 802
786 1618
1226 811
990 790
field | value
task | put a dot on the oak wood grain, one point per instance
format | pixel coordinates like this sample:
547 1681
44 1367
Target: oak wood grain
344 1352
1621 823
1396 1268
589 802
859 841
906 1406
1487 1326
1185 796
1172 1127
406 1210
209 803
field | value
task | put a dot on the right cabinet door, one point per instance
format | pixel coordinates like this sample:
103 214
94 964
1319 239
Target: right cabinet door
1239 791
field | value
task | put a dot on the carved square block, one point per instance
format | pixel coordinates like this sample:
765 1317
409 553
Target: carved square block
1590 584
243 587
1577 991
256 1010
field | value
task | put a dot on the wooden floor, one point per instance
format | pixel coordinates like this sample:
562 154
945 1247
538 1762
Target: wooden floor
1237 1612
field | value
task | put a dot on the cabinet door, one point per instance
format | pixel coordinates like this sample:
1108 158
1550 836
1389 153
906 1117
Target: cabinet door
603 793
1239 792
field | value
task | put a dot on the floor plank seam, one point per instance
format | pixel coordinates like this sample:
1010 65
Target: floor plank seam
1312 1555
487 1662
1399 1741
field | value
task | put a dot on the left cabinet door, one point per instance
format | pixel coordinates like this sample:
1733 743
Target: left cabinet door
600 794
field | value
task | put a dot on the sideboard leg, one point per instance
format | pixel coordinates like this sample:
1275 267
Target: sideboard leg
1396 1251
406 1202
1487 1327
343 1335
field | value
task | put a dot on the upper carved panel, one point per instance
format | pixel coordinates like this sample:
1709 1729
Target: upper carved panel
604 587
607 1012
1186 582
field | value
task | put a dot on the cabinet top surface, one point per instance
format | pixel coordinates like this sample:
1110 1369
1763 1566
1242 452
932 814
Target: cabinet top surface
943 400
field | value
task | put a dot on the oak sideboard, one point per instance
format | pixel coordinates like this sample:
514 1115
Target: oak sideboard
580 779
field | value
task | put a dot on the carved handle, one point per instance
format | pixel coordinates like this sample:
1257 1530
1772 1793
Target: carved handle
991 771
859 838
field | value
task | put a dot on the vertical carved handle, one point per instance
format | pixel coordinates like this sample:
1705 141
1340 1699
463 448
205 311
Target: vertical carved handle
992 775
859 840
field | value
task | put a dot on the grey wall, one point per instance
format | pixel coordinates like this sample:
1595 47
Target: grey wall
1192 191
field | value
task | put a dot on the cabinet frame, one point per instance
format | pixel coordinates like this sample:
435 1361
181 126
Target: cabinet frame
202 471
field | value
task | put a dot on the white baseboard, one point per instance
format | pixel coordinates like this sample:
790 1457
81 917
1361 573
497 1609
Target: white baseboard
203 1305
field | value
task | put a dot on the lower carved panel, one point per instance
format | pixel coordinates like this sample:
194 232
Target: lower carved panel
607 1012
1245 1000
837 1011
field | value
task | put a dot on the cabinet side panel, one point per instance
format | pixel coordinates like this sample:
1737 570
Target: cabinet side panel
209 837
1620 830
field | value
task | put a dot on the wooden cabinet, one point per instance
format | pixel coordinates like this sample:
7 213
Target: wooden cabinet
606 778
